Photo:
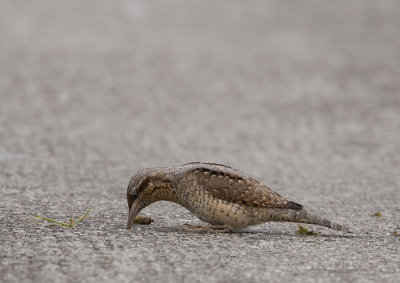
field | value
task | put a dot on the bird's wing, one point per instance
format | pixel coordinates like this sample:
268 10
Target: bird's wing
231 185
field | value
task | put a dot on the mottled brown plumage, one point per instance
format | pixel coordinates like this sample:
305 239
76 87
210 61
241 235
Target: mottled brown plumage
217 194
231 185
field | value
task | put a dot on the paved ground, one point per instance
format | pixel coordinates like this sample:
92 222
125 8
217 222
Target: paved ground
303 96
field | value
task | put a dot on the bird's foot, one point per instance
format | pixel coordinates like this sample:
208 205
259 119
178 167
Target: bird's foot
206 229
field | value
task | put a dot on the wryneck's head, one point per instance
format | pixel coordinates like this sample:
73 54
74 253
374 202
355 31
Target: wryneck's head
146 187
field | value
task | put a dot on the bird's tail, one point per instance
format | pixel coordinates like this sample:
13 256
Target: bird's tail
301 216
304 216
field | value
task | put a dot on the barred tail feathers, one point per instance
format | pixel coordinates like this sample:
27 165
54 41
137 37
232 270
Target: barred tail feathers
304 216
297 215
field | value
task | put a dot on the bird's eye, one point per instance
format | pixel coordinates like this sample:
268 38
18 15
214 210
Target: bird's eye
135 194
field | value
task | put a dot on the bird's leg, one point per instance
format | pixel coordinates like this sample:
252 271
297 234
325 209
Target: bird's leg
214 228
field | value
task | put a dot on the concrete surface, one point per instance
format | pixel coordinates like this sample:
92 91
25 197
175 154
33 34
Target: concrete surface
304 96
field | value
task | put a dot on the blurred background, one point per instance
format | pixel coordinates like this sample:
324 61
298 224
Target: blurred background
100 89
304 96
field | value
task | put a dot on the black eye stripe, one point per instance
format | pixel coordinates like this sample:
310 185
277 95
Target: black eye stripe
142 186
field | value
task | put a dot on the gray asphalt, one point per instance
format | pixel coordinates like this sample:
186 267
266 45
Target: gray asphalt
304 96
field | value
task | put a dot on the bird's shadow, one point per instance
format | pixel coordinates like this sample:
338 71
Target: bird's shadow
181 230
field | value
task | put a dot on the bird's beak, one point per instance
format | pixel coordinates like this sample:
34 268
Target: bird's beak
133 212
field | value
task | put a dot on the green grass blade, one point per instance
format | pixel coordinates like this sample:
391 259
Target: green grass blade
83 217
41 224
50 220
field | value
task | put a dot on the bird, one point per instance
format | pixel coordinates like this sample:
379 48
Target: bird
217 194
